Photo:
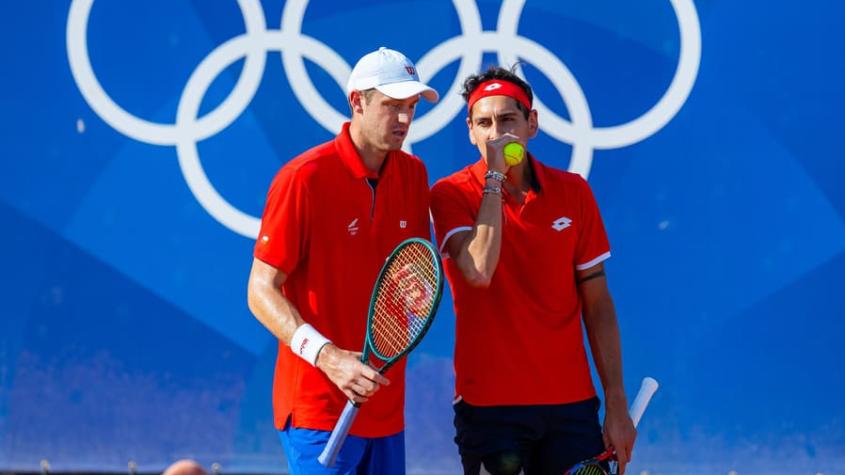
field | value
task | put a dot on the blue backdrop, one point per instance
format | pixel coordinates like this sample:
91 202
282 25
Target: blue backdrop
139 139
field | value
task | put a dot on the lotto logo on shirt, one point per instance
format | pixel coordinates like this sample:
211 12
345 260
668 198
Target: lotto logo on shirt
561 223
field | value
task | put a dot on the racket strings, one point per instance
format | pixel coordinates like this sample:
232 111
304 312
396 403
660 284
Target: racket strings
405 300
402 313
590 469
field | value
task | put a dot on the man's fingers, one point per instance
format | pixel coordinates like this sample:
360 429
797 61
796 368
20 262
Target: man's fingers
623 453
359 389
352 396
374 376
503 139
368 386
364 387
382 380
622 457
358 381
622 464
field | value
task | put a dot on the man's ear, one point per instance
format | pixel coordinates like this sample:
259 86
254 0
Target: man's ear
356 100
469 130
533 123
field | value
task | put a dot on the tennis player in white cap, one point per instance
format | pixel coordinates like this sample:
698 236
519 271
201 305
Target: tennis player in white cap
333 215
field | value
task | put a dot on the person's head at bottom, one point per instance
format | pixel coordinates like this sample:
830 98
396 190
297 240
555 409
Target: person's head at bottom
185 467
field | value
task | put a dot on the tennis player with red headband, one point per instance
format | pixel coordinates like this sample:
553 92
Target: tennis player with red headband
524 248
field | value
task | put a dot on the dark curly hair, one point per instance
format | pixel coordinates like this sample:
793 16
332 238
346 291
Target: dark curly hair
497 72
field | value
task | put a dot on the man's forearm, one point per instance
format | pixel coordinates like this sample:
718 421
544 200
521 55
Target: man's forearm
271 308
479 254
605 343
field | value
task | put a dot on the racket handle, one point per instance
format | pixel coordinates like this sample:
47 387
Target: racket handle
338 437
647 389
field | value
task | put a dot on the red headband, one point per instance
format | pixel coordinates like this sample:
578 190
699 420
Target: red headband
498 87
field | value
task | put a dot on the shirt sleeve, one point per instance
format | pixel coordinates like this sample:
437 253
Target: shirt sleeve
450 212
593 246
284 224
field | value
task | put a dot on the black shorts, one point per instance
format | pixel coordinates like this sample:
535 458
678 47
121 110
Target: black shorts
546 439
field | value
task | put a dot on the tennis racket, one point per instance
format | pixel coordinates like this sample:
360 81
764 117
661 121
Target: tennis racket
405 299
595 466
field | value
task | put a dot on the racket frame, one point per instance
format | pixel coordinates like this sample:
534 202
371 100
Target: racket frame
369 344
350 411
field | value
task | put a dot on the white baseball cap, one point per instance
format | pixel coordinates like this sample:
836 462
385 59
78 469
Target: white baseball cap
391 73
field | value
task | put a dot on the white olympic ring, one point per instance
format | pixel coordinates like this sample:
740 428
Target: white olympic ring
295 47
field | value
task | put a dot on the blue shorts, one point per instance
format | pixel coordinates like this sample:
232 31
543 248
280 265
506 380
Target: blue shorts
359 455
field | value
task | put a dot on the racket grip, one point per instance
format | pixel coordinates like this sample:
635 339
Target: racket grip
647 389
338 437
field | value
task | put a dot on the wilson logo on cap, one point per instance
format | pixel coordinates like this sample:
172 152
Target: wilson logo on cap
410 70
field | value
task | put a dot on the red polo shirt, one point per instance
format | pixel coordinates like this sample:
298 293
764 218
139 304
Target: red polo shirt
330 231
520 341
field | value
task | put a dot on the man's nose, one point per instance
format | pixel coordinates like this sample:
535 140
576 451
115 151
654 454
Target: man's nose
496 131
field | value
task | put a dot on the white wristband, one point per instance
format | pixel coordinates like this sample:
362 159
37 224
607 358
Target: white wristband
307 343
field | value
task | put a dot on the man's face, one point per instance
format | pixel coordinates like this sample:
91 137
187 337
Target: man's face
385 121
493 116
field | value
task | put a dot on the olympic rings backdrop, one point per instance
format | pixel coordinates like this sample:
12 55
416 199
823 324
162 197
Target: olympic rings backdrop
139 139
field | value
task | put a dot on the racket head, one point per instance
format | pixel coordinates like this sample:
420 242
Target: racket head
404 301
589 468
597 465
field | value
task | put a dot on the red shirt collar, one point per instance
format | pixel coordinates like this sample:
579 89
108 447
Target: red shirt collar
350 157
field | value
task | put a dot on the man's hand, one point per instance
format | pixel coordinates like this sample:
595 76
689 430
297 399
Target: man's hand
344 368
619 432
494 155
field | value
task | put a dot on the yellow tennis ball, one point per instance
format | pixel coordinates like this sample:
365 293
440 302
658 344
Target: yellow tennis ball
514 152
